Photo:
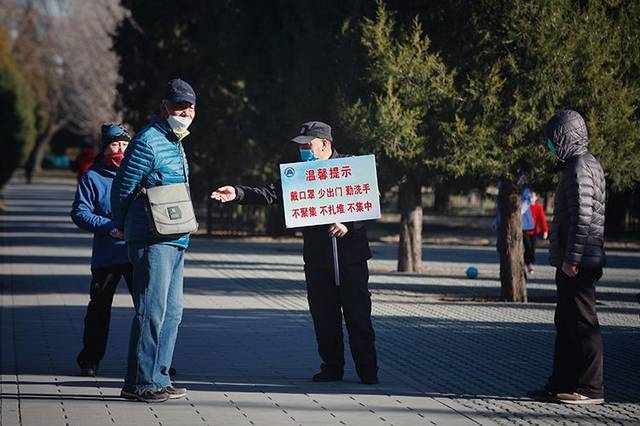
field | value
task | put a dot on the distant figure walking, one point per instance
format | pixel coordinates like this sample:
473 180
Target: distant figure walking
29 166
84 160
530 237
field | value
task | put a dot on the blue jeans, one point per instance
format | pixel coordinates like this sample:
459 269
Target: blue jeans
157 297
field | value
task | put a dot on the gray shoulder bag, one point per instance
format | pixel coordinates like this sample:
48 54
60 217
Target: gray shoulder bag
169 208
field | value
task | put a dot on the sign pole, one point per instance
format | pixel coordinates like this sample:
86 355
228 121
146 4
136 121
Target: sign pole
324 192
336 268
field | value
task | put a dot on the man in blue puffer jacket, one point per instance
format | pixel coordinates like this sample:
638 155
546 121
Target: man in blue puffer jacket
155 157
91 211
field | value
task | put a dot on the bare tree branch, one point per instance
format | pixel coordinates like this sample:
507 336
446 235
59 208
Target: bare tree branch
65 49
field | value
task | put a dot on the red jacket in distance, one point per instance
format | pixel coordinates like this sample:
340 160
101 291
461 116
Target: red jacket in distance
539 220
83 161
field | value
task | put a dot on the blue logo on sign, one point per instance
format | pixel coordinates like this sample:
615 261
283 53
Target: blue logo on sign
289 172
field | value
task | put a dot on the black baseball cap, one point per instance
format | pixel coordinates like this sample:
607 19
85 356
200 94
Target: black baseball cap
312 130
180 91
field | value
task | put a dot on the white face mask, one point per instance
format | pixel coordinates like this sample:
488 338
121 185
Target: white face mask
179 124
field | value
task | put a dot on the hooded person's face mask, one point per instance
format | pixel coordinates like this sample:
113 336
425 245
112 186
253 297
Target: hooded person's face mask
551 147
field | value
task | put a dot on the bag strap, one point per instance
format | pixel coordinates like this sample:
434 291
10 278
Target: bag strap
183 159
140 189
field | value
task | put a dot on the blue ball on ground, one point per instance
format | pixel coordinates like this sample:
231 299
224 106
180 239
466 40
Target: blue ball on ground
472 272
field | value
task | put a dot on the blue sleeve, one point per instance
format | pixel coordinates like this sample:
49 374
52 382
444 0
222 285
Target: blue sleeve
82 211
137 163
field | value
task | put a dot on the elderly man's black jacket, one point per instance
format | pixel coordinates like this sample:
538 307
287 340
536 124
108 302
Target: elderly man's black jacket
318 251
577 230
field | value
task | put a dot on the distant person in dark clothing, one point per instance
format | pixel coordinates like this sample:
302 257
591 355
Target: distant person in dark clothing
328 302
29 166
84 160
109 262
577 252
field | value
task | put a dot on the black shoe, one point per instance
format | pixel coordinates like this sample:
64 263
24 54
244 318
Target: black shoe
369 380
326 376
88 369
144 395
175 393
542 395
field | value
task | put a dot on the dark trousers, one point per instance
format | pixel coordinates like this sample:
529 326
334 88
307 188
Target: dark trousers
328 303
577 362
96 322
529 248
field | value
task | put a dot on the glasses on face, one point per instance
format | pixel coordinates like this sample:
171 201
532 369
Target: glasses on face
118 145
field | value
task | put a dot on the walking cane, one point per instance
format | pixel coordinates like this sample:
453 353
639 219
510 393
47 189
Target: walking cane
336 268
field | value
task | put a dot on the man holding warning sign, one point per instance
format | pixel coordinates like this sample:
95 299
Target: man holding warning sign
328 195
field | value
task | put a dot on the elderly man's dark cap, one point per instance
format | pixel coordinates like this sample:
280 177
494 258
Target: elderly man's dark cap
312 130
180 91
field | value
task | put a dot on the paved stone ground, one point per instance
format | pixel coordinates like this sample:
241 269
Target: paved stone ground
449 354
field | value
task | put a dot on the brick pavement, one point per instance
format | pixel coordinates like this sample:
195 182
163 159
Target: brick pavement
449 354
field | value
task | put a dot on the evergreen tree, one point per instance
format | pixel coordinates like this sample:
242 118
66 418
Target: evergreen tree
475 109
259 69
404 120
530 60
17 105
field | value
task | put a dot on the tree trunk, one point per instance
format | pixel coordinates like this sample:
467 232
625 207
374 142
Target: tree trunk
513 281
410 248
42 143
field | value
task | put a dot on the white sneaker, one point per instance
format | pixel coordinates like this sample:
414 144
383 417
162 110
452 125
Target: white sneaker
578 399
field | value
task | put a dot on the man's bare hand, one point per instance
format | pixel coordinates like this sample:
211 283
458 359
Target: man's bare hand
337 230
545 235
569 269
224 194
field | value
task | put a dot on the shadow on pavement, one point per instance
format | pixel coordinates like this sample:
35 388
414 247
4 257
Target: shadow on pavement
258 350
255 349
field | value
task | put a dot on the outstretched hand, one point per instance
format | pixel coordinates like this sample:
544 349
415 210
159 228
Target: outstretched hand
224 194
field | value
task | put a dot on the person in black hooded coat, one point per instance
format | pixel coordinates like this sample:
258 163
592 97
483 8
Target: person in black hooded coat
577 251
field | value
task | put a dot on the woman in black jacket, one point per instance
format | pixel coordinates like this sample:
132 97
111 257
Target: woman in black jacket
577 252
